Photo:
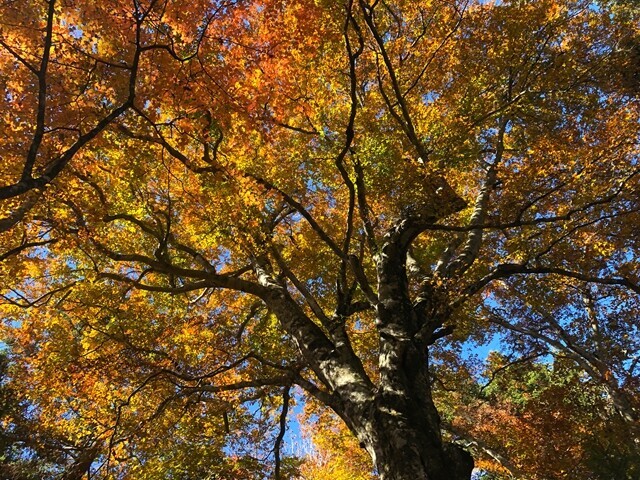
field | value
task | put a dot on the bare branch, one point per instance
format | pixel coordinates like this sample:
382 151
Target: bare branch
286 396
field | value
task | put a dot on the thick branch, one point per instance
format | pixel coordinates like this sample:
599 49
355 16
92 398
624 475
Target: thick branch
474 238
42 97
542 220
209 279
286 395
334 366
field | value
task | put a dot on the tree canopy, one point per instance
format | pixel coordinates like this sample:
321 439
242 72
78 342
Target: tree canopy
217 215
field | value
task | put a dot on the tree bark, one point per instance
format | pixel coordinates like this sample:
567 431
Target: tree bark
401 433
398 459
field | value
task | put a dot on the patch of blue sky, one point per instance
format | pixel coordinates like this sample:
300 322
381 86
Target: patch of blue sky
430 97
472 349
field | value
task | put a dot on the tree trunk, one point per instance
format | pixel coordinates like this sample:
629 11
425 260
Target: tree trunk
400 426
404 453
404 448
394 419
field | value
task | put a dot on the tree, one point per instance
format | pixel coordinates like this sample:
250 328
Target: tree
543 421
209 206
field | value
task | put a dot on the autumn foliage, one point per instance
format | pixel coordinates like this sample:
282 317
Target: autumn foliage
219 215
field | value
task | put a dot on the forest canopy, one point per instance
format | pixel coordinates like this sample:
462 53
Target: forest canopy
405 231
